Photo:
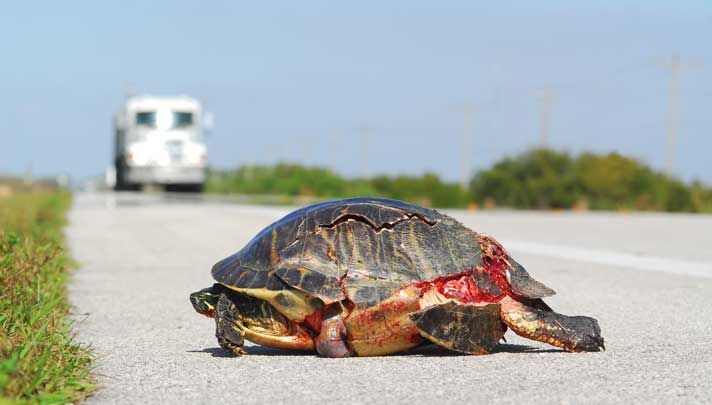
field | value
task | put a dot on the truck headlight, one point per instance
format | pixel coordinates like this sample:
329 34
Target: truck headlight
137 156
196 154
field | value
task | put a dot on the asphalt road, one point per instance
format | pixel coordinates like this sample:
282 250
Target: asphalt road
647 278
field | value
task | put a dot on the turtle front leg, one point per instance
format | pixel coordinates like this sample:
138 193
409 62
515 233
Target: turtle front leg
239 317
228 328
572 333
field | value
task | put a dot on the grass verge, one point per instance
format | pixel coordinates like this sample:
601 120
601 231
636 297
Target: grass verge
39 360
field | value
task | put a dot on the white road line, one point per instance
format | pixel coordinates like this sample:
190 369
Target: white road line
612 258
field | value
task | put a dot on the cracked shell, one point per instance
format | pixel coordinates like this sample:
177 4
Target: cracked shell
363 249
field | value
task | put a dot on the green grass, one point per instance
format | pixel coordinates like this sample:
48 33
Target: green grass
39 360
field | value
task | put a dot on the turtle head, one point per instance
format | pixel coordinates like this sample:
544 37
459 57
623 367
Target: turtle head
205 301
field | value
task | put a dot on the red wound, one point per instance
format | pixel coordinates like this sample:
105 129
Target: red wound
313 321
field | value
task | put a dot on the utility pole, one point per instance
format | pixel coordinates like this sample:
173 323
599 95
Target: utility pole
468 112
28 178
674 65
546 99
307 150
333 149
365 132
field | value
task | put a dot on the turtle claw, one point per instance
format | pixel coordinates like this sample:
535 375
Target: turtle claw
233 350
582 334
237 350
594 343
599 342
230 348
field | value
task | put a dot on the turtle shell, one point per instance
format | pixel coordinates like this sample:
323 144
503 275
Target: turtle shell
363 249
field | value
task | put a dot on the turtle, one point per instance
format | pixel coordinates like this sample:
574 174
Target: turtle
374 276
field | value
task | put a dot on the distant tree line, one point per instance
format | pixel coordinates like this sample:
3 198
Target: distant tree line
549 179
536 179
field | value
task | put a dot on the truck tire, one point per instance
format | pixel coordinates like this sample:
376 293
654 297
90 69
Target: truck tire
185 188
120 184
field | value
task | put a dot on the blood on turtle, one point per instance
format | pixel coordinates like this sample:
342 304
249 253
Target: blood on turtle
374 276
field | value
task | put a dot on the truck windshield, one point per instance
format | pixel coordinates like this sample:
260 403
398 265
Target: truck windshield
164 119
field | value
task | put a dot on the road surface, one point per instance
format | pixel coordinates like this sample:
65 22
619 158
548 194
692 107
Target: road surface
647 278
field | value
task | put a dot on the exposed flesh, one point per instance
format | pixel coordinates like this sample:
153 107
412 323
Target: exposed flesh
386 327
332 339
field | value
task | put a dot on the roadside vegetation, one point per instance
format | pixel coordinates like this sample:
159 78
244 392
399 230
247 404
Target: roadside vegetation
536 179
39 360
293 183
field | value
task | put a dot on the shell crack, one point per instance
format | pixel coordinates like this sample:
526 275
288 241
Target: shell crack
362 219
376 228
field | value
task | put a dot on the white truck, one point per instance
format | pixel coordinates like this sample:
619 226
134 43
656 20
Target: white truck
159 141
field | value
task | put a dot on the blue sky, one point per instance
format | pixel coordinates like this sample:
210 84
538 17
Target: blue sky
297 80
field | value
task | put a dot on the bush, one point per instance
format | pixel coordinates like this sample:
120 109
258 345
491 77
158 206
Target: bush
538 179
549 179
294 180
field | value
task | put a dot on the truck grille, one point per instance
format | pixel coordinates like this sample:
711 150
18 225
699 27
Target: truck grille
175 150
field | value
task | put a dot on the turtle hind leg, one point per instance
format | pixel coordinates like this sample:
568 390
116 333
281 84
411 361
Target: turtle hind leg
466 328
244 317
572 333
